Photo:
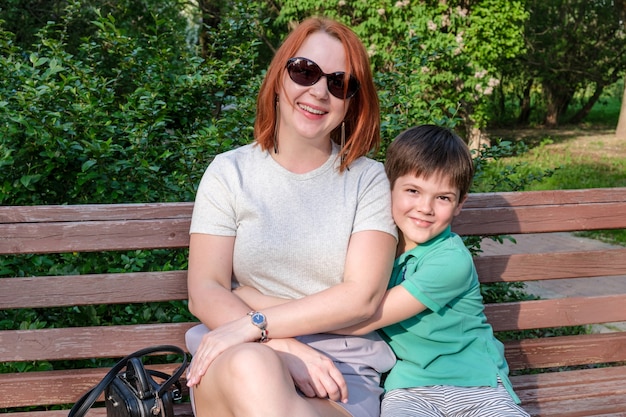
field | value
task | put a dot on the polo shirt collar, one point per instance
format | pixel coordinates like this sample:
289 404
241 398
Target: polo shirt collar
419 250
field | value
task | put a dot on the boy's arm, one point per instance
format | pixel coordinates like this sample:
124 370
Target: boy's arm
397 305
255 299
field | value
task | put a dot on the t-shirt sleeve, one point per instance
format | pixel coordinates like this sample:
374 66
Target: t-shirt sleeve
374 204
214 207
440 278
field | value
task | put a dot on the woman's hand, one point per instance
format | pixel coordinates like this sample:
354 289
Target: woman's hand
313 373
217 341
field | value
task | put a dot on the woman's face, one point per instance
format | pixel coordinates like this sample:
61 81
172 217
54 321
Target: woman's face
312 112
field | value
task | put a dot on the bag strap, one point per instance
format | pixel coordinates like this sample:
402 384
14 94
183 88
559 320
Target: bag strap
81 407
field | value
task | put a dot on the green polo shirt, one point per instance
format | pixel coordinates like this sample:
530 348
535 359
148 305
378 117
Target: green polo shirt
449 343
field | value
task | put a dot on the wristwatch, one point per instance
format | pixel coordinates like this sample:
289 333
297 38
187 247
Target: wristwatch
258 319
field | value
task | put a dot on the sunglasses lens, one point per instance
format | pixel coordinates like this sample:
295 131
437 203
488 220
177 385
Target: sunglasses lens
336 85
305 72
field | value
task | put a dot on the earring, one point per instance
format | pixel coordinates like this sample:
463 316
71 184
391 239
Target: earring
276 126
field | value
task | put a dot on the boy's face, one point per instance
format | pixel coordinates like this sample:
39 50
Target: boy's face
423 208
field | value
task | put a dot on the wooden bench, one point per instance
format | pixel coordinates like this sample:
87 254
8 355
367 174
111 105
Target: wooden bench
567 375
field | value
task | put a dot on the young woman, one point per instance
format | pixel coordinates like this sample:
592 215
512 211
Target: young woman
302 214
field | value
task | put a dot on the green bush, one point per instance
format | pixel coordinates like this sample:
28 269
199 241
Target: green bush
126 119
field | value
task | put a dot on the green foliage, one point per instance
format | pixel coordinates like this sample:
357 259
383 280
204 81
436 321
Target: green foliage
441 55
570 47
126 119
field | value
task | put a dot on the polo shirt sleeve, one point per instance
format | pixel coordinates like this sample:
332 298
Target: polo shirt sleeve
440 277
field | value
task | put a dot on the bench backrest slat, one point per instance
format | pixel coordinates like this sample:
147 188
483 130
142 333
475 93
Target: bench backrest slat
564 312
55 387
547 198
95 212
92 236
540 219
556 265
559 351
87 342
71 290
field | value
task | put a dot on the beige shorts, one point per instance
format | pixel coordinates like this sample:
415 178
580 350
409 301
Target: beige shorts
361 360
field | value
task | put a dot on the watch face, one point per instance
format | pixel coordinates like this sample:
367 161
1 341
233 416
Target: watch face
258 319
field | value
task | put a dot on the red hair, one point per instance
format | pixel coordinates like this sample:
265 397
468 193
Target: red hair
362 121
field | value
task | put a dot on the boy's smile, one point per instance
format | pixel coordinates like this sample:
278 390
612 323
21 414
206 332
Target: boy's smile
423 207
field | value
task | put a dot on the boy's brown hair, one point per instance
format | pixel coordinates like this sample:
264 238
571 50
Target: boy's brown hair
428 150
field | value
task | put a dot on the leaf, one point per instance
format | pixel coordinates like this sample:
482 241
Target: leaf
28 180
37 61
88 164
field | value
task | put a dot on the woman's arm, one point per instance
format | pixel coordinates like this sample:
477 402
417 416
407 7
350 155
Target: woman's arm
209 280
397 305
257 300
368 266
367 270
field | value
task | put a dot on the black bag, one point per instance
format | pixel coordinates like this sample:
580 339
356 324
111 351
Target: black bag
134 393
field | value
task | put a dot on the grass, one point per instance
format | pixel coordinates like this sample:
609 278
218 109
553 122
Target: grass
586 156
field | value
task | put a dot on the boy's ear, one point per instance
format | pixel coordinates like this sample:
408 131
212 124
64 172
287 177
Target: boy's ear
460 205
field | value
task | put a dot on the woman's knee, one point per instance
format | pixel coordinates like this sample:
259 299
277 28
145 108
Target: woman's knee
244 367
241 378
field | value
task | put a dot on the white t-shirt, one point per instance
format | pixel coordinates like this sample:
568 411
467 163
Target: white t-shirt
292 230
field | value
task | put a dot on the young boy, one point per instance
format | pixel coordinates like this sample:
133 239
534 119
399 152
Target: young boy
448 361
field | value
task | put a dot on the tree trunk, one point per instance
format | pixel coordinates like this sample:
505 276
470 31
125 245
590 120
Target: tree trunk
584 111
524 116
620 132
210 18
476 138
558 100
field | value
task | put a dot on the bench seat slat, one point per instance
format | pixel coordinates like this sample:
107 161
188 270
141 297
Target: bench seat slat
180 410
87 342
571 311
558 351
556 265
71 290
602 405
574 377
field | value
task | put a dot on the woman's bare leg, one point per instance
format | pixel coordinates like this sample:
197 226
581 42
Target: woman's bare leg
250 380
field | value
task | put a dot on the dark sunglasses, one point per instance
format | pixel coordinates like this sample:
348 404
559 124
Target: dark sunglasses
305 72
